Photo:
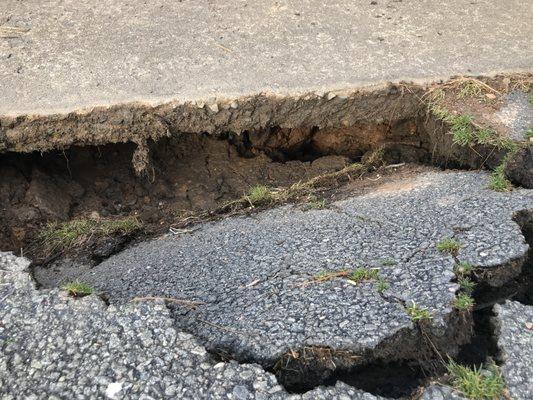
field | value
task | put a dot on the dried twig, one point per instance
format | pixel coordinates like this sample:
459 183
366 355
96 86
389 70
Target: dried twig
11 32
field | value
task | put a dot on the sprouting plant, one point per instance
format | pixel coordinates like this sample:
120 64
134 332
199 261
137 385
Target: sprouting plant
418 313
476 383
498 181
466 285
463 269
58 237
364 274
314 203
462 131
77 289
448 245
260 195
463 301
382 285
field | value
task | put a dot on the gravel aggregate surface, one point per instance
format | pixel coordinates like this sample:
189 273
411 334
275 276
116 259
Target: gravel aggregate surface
55 347
254 276
515 340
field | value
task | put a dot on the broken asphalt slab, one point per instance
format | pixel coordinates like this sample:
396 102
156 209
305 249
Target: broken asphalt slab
515 341
55 347
63 56
255 276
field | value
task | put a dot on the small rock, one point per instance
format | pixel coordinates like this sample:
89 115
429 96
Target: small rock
113 389
240 392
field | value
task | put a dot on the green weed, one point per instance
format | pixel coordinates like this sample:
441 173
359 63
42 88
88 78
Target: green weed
463 302
77 289
498 181
463 269
382 285
314 203
466 285
61 236
448 245
364 274
260 195
475 383
418 313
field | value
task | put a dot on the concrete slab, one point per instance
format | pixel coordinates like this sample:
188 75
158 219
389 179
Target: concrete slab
64 55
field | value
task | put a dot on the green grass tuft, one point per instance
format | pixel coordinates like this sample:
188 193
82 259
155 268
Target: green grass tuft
260 195
314 203
61 236
77 289
364 274
462 131
418 313
466 285
463 301
466 133
382 285
475 383
463 269
448 245
498 181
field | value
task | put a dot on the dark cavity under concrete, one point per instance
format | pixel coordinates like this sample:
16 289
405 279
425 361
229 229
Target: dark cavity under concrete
197 172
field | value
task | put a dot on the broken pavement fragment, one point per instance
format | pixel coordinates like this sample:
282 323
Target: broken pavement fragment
284 248
52 345
515 341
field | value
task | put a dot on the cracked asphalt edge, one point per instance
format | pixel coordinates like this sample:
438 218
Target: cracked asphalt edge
53 346
515 341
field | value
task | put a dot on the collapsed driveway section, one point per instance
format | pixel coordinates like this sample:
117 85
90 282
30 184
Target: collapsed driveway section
288 281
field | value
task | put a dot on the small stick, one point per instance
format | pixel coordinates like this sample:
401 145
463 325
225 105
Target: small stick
224 48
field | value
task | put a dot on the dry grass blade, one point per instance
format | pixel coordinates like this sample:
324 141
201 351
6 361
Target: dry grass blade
10 32
263 196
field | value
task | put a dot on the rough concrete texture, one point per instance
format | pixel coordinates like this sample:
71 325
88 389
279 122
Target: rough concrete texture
55 347
67 55
515 340
254 273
